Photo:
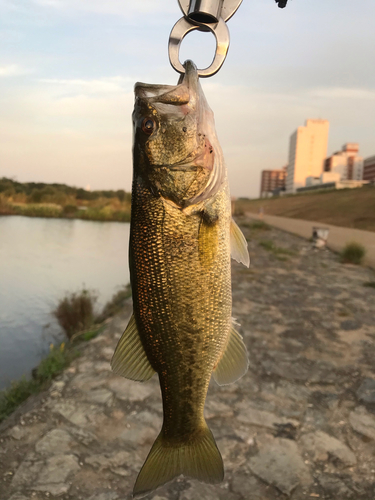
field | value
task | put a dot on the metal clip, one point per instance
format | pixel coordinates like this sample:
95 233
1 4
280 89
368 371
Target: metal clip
203 15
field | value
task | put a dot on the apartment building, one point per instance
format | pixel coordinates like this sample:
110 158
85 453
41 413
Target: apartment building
272 180
307 151
347 163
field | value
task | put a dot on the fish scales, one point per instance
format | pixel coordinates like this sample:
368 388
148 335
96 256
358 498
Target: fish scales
181 240
185 312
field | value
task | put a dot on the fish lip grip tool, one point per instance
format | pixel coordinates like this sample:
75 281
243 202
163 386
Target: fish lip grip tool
203 15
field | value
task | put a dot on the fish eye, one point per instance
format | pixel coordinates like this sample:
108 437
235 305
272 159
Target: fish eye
148 126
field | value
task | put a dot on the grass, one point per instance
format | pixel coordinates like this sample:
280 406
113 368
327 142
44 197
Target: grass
106 213
58 358
279 252
75 312
353 208
352 253
257 225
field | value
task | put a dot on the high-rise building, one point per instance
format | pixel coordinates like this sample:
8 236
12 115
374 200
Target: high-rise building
272 180
369 169
347 163
307 151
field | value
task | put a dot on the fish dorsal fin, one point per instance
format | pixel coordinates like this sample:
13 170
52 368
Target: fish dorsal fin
130 359
234 362
238 245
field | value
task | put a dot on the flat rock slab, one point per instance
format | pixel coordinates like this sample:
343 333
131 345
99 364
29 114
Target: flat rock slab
55 442
366 391
57 469
363 422
27 473
111 495
280 464
320 445
127 390
253 416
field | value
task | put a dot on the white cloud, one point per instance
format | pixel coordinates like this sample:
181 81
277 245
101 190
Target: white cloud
12 70
343 93
115 7
107 85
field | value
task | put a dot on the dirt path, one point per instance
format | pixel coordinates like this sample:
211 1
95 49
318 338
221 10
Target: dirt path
299 425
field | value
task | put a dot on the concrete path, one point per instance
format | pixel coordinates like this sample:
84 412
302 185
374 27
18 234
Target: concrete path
338 236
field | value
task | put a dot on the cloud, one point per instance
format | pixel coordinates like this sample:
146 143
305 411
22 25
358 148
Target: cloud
343 93
12 70
107 85
112 7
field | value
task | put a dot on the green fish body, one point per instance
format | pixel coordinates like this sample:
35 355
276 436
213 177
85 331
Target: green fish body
181 240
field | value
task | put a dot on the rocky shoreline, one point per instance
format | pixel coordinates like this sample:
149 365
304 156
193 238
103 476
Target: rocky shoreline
300 424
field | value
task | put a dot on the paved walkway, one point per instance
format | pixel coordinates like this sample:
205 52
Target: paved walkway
300 425
338 236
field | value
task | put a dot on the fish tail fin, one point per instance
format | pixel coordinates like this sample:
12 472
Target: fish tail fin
198 458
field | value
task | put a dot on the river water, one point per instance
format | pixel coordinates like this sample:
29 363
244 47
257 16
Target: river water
40 261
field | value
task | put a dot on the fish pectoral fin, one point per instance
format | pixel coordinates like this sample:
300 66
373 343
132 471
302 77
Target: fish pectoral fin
208 238
234 362
198 458
130 359
238 245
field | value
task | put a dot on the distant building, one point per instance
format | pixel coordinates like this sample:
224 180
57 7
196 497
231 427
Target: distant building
369 169
272 180
347 163
307 151
330 180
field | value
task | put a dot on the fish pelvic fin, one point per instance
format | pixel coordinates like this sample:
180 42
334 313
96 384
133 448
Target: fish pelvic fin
234 361
198 458
130 359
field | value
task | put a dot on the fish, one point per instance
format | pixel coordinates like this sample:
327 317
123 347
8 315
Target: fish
182 236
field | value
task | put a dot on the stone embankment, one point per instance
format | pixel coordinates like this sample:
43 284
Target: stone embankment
299 425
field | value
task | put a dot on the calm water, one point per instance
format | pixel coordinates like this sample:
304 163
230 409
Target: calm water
41 260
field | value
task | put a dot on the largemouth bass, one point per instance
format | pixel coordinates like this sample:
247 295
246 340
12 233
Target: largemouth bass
181 239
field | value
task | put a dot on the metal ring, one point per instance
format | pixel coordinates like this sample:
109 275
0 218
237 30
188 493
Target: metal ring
182 28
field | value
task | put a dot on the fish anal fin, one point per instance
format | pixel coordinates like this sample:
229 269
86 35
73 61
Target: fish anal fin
197 458
238 245
130 359
234 362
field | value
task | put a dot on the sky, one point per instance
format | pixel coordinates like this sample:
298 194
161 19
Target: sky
68 67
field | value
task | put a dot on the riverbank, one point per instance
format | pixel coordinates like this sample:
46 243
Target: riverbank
351 208
71 314
38 199
106 213
300 424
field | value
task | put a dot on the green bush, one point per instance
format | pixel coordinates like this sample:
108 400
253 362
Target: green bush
75 312
353 253
69 210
